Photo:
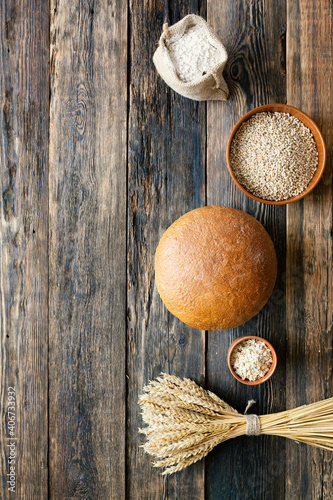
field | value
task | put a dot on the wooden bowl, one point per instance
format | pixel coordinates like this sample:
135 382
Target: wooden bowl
270 371
284 108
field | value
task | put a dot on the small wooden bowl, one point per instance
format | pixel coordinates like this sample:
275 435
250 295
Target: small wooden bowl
270 371
284 108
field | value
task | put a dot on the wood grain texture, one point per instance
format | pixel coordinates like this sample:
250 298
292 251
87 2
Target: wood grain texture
251 31
24 104
98 157
186 191
88 249
309 249
166 178
147 326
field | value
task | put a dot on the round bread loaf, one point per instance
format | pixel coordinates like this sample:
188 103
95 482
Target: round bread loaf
215 268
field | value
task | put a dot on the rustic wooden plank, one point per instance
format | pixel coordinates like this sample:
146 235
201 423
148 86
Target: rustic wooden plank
147 327
251 31
24 94
309 249
186 191
166 178
88 249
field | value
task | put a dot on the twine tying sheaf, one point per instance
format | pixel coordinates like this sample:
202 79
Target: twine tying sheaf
252 421
253 425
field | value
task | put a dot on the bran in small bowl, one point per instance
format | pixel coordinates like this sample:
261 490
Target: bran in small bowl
251 360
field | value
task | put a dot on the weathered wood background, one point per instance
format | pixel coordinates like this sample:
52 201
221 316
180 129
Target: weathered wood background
98 158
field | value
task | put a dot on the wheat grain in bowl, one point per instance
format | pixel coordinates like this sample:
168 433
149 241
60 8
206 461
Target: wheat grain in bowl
273 155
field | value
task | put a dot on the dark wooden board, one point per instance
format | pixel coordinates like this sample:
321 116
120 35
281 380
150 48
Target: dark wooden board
98 157
166 178
309 248
186 170
88 123
251 31
24 105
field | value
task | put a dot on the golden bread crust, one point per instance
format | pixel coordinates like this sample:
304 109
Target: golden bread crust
215 267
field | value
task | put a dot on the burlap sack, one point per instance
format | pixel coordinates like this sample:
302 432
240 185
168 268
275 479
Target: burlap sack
176 58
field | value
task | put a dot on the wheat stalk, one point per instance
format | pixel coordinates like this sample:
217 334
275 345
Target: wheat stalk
185 422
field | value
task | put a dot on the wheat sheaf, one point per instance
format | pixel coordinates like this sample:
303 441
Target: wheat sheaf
185 422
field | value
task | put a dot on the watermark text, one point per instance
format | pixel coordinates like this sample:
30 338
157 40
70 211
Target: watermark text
11 438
